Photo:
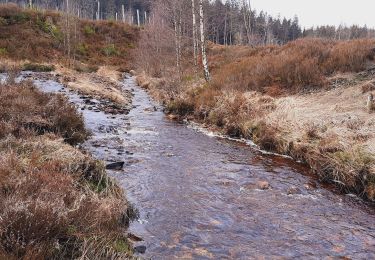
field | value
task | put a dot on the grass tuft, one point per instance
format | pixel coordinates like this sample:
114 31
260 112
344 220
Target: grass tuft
35 67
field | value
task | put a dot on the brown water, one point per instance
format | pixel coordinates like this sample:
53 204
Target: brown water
198 198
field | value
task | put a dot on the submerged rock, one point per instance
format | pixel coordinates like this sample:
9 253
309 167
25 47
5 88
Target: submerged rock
293 190
135 238
263 185
140 249
115 166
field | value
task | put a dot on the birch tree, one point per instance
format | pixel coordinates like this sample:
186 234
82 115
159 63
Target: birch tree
203 43
195 40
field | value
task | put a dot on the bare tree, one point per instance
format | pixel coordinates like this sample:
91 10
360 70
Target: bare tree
203 42
246 6
195 40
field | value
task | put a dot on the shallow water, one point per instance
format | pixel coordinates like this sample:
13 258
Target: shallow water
198 196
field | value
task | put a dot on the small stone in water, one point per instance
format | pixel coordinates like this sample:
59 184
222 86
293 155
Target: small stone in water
294 190
263 185
140 249
115 166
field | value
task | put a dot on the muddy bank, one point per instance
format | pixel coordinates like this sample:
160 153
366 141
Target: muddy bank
331 130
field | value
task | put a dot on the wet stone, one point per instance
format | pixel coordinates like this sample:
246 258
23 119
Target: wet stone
115 166
263 185
293 191
135 238
140 249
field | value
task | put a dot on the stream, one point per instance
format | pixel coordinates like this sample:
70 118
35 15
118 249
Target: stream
199 197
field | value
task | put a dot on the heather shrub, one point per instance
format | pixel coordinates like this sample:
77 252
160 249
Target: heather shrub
38 67
297 66
48 208
24 110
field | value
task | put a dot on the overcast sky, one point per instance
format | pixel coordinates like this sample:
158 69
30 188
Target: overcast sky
321 12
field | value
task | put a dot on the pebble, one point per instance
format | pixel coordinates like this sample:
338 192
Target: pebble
263 185
140 249
293 190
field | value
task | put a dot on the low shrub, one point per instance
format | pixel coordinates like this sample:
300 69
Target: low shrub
44 33
55 201
48 27
3 51
82 49
35 67
180 107
3 21
88 30
297 66
24 110
48 208
110 50
84 68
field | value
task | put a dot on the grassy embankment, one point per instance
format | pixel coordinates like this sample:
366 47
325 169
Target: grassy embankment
38 41
306 99
57 202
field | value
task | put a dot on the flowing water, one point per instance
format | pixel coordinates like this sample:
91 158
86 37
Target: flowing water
198 195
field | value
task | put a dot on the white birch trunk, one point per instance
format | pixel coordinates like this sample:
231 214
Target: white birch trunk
68 29
138 19
177 44
203 43
195 42
98 12
123 13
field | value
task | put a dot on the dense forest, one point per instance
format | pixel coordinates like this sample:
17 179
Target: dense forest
232 22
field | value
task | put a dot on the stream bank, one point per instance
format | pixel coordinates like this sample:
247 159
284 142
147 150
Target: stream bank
200 196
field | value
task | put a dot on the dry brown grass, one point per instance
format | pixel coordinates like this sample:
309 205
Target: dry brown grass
297 66
55 201
39 37
24 110
265 94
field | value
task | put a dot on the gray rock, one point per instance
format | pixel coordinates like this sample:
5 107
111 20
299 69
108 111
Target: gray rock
115 166
140 249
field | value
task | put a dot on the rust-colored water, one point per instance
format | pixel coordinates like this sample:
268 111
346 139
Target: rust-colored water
198 197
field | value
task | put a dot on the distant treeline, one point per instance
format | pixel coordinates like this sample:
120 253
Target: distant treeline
88 8
228 22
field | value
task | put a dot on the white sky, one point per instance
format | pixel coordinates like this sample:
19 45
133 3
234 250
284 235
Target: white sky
321 12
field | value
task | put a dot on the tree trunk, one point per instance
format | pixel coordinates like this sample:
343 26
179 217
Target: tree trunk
225 30
98 12
247 19
195 41
203 43
138 18
177 42
123 13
